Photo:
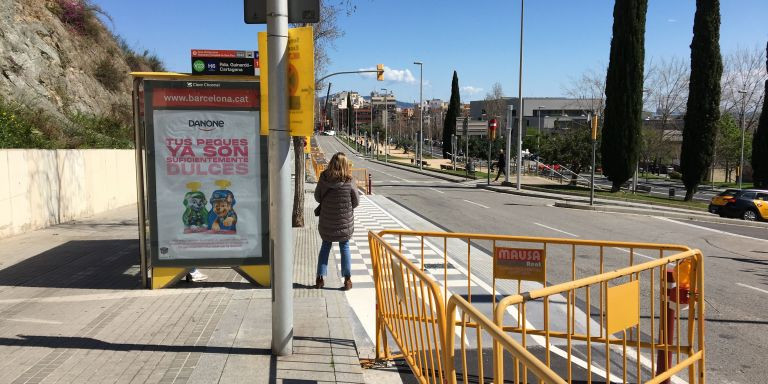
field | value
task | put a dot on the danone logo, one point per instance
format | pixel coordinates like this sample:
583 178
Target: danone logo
198 66
206 125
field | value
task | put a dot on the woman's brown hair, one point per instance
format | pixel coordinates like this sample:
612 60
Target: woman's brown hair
338 169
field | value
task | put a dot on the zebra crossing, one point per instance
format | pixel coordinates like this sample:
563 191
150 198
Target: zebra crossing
371 217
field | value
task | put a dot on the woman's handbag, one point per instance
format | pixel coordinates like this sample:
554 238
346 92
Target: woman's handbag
320 204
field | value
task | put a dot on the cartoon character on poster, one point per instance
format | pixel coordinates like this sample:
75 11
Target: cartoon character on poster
222 218
195 215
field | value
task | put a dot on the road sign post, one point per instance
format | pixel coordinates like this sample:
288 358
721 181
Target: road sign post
594 150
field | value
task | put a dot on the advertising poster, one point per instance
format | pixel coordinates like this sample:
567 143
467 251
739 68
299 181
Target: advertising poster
520 264
207 174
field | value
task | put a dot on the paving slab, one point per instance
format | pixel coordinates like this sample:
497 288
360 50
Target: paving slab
72 310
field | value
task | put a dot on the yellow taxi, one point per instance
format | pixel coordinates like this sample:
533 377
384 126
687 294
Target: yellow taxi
748 204
720 200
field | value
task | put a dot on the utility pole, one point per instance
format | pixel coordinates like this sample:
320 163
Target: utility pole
741 123
520 100
280 237
421 112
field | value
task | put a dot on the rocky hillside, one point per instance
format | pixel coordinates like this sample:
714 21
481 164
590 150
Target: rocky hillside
58 59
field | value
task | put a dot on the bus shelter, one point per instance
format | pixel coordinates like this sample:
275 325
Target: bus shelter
201 176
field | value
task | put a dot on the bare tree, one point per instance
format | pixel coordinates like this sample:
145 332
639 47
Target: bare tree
667 84
495 104
744 70
588 91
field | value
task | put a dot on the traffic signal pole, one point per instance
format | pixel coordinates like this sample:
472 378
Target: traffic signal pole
280 234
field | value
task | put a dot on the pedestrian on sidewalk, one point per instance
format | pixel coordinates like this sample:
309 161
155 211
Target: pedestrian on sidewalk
502 164
337 194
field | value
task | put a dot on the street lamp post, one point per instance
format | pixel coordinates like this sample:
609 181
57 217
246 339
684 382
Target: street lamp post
520 100
385 118
421 112
538 142
741 123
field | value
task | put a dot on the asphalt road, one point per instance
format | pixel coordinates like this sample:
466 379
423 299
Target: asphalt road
736 256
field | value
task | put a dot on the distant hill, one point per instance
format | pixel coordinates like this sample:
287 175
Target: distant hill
64 76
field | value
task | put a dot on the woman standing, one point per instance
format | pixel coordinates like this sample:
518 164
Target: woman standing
337 195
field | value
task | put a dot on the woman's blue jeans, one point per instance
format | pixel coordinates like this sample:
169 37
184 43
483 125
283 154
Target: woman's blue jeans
346 262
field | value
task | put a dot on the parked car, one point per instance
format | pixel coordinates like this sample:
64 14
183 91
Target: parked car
329 133
748 204
720 200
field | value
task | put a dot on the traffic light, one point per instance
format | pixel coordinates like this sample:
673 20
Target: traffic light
492 125
594 127
380 72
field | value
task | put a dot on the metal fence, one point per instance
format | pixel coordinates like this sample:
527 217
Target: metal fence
600 289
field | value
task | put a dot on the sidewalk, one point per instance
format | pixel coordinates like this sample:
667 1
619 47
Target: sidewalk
72 310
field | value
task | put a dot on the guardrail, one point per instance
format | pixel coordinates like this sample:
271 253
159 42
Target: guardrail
592 260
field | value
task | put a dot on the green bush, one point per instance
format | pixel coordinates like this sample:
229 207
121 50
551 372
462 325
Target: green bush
675 175
17 129
25 127
92 131
145 61
79 15
108 75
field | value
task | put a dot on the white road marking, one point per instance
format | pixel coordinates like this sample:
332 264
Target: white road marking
391 175
708 229
437 190
556 230
751 287
636 253
479 205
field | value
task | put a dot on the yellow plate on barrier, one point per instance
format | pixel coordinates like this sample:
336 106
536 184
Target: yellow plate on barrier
622 307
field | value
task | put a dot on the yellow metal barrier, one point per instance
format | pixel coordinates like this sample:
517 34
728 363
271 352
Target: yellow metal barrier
564 258
620 313
410 306
471 318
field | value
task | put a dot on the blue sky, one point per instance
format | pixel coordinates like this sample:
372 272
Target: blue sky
479 39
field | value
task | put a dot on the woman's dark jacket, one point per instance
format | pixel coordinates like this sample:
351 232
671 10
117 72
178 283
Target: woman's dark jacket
338 201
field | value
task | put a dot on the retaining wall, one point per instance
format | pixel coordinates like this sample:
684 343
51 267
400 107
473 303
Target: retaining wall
39 188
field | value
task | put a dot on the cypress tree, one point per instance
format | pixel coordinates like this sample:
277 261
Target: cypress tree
622 127
703 108
760 142
454 108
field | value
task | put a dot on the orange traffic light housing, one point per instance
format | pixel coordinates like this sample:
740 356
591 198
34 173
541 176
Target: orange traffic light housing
380 72
594 127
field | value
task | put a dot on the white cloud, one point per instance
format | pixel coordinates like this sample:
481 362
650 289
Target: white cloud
671 20
470 90
394 75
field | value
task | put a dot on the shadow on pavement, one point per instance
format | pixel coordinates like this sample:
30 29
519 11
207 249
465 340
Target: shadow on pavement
85 264
65 342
